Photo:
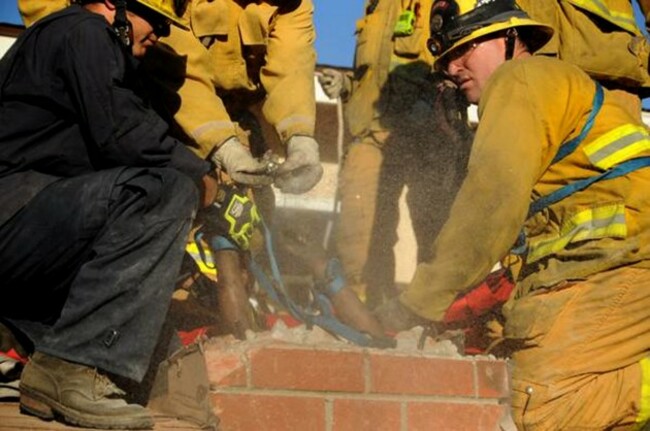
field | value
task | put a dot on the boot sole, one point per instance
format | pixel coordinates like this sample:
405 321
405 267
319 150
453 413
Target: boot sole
42 406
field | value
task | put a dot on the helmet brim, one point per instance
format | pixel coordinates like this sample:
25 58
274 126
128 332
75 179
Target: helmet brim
537 35
167 12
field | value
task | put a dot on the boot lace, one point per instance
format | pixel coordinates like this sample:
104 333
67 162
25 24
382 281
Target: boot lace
104 387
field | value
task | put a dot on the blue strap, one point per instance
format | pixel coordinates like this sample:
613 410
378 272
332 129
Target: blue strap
520 247
334 280
570 146
321 316
617 171
219 242
624 168
198 236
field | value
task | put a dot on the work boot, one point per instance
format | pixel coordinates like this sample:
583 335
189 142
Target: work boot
52 388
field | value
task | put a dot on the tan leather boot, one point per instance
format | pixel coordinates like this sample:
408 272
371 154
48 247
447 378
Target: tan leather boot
52 388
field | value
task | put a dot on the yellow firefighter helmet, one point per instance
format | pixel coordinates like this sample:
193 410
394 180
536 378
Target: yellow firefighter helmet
170 9
456 22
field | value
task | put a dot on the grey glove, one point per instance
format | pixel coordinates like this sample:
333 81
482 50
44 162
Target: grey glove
396 317
238 162
302 169
335 84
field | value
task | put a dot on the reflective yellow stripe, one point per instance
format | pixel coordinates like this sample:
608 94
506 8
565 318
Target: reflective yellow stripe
644 403
621 144
624 20
208 267
593 223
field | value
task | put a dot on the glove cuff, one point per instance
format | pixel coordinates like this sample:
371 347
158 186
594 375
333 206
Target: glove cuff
221 152
302 143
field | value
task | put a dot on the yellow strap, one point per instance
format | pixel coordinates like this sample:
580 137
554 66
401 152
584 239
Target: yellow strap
644 404
607 221
208 269
618 145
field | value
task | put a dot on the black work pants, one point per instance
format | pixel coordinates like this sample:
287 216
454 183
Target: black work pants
88 267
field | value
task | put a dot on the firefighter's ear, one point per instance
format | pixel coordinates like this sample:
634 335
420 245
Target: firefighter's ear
110 4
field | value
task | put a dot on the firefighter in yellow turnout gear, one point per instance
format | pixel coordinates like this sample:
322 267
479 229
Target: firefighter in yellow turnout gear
32 11
602 38
239 64
390 109
243 60
557 181
246 66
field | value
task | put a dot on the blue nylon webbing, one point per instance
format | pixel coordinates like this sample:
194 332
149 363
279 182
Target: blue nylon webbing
322 316
520 247
570 146
618 171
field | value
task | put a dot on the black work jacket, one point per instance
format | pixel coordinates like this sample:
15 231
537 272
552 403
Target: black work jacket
71 104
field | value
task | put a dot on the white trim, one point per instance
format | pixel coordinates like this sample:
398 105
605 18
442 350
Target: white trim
5 44
320 96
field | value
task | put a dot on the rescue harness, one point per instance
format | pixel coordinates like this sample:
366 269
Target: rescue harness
496 288
235 216
521 247
320 311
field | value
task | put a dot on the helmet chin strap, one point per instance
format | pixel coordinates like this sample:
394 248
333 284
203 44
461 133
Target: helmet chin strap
121 25
511 37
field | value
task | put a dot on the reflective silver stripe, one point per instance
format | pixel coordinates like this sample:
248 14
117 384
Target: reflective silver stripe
293 120
211 126
593 223
619 145
624 20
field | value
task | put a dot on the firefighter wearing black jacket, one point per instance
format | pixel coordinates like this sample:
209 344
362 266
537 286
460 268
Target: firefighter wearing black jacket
96 201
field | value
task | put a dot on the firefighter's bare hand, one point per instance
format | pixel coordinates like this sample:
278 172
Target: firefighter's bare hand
353 312
335 84
396 317
302 170
242 167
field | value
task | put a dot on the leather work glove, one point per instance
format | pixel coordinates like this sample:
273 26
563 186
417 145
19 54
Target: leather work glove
302 170
396 317
238 162
335 84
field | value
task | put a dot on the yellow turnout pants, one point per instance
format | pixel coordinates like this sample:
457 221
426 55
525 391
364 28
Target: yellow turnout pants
585 362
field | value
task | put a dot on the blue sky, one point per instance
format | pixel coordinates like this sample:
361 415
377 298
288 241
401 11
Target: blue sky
335 24
9 12
334 21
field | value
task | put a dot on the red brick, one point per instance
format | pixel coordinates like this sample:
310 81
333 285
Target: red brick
225 369
307 369
492 379
421 376
256 412
427 416
357 415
